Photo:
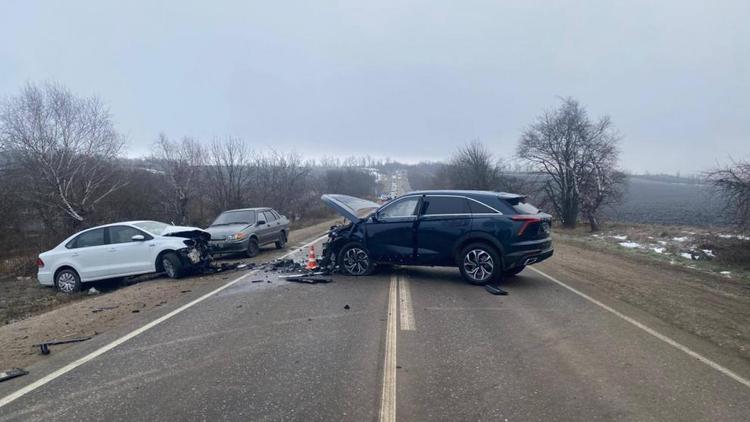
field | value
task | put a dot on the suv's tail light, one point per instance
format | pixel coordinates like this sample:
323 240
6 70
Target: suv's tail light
39 263
527 221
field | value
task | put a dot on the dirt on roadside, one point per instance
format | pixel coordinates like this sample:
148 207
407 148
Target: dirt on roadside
710 306
40 314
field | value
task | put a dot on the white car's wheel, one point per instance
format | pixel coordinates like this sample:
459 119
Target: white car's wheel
67 281
172 265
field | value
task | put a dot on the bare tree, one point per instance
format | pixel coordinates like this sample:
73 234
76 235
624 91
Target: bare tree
181 163
734 184
579 156
66 147
228 173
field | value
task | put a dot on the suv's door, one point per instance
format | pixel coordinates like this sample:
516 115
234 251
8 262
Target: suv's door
444 219
131 256
390 235
90 255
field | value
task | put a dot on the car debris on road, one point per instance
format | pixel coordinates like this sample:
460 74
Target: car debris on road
44 346
12 373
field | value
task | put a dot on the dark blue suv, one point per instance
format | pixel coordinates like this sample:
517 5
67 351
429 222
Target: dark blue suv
485 234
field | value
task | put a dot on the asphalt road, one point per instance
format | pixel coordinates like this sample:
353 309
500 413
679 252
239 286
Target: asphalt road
414 344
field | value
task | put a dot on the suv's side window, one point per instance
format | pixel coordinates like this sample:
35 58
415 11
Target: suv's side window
406 207
442 205
124 234
477 208
90 238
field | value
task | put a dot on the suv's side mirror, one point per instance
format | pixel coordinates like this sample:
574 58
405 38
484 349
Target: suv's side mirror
138 238
260 222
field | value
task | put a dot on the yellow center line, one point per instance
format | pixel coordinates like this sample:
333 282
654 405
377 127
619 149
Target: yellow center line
388 398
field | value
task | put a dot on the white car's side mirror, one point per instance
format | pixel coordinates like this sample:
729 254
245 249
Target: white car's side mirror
138 238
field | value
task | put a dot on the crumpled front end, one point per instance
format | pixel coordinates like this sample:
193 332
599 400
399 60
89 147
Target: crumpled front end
196 253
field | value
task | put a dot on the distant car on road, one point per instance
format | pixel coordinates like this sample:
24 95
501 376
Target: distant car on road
246 230
123 249
486 234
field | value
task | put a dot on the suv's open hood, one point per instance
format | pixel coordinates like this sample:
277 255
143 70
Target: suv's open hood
351 208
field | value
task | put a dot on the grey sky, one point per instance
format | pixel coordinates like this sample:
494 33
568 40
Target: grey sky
407 80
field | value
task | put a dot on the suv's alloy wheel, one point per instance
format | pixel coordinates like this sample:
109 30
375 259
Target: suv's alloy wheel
480 264
355 260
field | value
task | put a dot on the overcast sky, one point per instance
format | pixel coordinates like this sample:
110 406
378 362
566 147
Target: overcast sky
406 80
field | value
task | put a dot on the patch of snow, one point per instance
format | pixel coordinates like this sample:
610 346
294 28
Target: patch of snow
686 255
662 242
734 236
680 239
630 245
725 272
651 237
658 249
619 236
709 252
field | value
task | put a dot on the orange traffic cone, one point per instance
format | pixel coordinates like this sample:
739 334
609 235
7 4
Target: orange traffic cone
312 263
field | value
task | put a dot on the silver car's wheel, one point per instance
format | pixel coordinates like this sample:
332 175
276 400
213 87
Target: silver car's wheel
356 261
67 281
478 265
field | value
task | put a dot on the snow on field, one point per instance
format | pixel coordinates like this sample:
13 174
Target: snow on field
680 239
619 236
734 236
726 273
709 253
658 249
686 255
630 245
662 242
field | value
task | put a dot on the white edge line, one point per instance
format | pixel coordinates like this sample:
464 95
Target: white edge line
653 332
104 349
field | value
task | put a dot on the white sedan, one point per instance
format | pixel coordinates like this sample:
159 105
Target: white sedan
123 249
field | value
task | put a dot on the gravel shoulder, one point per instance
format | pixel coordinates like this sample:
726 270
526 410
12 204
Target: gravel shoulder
709 306
55 316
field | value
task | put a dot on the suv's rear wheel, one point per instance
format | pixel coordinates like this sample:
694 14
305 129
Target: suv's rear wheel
480 264
355 260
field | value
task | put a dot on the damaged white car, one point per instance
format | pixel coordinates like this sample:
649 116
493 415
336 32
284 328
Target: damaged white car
121 250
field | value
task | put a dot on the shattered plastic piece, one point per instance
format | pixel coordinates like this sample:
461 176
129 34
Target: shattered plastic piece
185 291
12 373
309 280
93 291
44 347
260 280
104 308
346 307
495 290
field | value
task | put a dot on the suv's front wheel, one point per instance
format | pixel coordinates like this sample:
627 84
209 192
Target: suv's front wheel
355 260
480 264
